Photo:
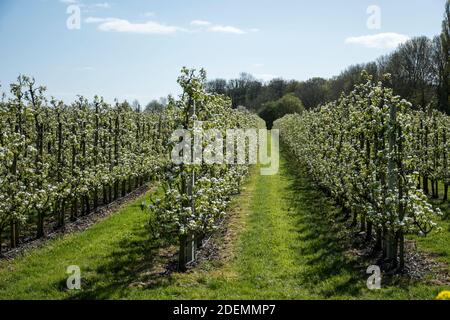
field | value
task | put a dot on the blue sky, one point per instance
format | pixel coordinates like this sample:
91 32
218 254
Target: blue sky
134 49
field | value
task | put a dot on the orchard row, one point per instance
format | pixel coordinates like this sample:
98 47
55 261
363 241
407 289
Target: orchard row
196 196
376 156
59 161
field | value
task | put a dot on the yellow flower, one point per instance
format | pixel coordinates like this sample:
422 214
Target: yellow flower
444 295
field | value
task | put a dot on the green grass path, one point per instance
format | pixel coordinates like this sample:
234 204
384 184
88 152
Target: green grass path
286 246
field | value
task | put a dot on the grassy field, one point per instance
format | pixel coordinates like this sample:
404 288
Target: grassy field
115 244
283 244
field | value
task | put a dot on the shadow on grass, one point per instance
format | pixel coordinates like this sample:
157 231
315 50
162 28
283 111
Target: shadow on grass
131 264
323 243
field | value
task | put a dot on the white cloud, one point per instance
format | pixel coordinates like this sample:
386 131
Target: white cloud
104 5
254 30
209 26
152 27
200 23
98 20
125 26
226 29
88 7
389 40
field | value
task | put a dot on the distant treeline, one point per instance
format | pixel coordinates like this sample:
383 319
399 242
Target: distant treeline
420 70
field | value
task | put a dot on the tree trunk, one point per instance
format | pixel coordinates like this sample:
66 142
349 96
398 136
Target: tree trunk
401 243
105 195
389 236
355 219
378 243
394 251
369 231
40 225
130 184
95 199
124 187
433 190
116 190
82 205
74 209
437 189
87 204
96 146
110 191
62 214
182 254
14 235
346 213
363 223
426 189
